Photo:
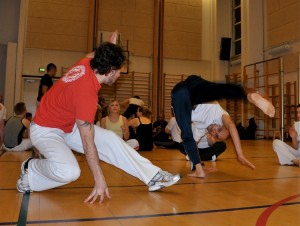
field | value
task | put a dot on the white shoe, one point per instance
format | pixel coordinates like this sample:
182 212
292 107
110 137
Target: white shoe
163 179
23 182
213 158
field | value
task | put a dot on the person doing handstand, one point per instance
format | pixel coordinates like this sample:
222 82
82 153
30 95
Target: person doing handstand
195 90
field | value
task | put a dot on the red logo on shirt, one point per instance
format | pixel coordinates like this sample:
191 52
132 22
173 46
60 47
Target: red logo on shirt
74 74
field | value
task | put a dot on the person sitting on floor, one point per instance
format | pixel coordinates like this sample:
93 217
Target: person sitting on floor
290 155
247 133
143 128
132 105
118 124
16 130
159 133
172 129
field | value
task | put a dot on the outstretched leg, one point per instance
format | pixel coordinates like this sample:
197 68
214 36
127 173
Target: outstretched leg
203 91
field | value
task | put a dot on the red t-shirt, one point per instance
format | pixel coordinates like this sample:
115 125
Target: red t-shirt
74 96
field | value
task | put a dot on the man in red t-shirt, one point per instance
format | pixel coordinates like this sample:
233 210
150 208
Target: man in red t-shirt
64 122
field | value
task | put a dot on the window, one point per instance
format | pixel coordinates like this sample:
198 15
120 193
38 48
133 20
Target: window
237 30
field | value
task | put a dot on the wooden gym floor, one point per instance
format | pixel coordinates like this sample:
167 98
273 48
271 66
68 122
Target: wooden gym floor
233 195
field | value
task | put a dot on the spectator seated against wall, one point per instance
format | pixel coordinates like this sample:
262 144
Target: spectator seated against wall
247 133
159 126
117 123
173 130
143 128
16 130
132 105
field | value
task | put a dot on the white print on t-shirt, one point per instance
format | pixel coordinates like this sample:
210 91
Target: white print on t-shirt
74 74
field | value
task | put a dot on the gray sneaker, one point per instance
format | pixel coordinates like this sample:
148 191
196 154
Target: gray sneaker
23 183
163 179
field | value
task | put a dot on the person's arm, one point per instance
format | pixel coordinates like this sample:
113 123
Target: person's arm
26 123
167 130
87 134
293 134
210 140
169 126
125 129
112 39
44 89
133 123
103 122
236 140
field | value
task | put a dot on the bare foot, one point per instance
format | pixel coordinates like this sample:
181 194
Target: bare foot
263 104
199 172
195 174
296 162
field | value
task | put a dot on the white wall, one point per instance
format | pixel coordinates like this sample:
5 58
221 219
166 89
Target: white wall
10 78
178 67
35 58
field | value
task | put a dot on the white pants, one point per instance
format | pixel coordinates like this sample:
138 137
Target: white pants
61 167
24 146
285 152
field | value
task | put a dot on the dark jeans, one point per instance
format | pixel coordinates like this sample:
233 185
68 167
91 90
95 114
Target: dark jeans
182 109
206 154
186 94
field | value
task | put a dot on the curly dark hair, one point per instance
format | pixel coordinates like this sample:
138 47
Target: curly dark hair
108 56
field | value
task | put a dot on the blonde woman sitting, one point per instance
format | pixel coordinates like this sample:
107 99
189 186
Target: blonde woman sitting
118 124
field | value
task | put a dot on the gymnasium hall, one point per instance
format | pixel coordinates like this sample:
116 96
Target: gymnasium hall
251 43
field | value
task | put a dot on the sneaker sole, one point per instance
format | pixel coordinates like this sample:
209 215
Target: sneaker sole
22 173
21 190
166 184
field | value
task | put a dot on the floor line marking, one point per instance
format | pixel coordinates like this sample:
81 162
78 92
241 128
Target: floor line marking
148 216
263 218
183 183
24 209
